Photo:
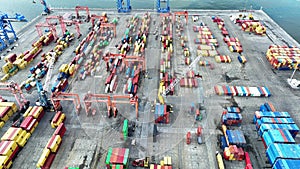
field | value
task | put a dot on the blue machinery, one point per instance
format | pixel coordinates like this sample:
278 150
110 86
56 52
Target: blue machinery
127 7
120 7
163 10
46 8
7 32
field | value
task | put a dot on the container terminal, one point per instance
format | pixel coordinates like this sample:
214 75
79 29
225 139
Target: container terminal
101 88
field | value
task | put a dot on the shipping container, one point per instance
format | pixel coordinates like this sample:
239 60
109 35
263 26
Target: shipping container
261 114
286 164
272 120
292 128
277 136
282 151
236 137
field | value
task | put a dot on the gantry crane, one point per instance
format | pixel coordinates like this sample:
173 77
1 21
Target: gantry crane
102 19
56 97
63 23
70 22
122 7
126 59
110 101
160 9
83 8
181 13
51 28
46 8
6 29
15 89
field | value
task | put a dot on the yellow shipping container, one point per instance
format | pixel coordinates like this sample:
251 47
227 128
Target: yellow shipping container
5 118
22 140
3 161
2 124
43 158
27 111
12 134
9 104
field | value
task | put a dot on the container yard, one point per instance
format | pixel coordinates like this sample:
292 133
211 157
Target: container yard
93 88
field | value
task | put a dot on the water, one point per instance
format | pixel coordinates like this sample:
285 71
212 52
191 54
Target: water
285 12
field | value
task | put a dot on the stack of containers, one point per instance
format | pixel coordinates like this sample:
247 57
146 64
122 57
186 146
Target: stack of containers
273 120
58 118
161 115
253 26
205 36
286 164
189 81
40 70
242 91
283 151
15 62
261 114
283 57
232 143
7 109
207 50
125 129
52 147
15 138
233 44
231 119
292 128
223 59
278 138
117 158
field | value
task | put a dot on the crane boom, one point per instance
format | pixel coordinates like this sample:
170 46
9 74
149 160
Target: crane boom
177 80
49 74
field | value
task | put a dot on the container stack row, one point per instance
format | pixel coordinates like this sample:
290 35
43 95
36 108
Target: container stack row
278 131
232 42
232 144
161 114
7 109
117 158
166 163
58 118
40 70
52 147
232 118
15 138
205 36
141 38
166 40
242 91
189 81
283 57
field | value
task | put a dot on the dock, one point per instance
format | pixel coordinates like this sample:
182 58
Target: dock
89 135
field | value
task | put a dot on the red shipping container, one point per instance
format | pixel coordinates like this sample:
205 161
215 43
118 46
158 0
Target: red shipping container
31 125
60 130
26 122
49 161
56 116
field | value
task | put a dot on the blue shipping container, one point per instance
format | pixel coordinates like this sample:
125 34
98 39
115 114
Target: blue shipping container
261 114
272 120
236 137
277 136
282 151
292 128
286 164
